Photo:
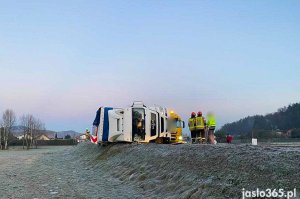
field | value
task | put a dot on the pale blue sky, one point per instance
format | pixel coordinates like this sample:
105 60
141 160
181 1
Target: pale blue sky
60 60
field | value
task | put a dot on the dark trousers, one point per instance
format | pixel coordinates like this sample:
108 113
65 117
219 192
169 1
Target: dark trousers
200 133
193 134
196 134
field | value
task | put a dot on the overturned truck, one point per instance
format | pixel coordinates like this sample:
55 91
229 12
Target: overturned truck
137 123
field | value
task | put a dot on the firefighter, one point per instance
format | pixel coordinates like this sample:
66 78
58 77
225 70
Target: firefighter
192 126
211 125
87 134
200 127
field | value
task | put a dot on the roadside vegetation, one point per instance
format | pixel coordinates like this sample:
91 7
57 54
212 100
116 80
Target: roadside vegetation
284 123
32 127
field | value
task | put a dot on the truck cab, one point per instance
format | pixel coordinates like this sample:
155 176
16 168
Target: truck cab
137 123
175 126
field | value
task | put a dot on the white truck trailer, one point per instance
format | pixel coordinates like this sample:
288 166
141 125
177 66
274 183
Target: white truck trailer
137 123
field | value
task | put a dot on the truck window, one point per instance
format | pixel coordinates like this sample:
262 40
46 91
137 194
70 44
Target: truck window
118 124
171 124
138 124
153 124
178 123
162 123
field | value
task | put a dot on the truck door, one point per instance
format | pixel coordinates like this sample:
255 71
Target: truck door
138 124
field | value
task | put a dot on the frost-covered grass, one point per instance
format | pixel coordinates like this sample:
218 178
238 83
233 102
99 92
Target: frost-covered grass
147 171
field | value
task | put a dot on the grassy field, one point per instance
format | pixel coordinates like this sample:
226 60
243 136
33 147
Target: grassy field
147 171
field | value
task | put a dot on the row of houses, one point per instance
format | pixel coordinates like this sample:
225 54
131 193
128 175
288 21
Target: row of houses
79 138
40 137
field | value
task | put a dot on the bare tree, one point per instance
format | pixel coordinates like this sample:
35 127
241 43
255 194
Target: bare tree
26 124
9 119
32 128
38 128
1 135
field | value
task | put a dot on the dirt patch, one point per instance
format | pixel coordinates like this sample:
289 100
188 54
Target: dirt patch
108 152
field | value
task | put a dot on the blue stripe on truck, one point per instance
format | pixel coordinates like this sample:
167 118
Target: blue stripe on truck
106 124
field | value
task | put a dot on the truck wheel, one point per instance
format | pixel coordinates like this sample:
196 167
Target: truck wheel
159 140
166 140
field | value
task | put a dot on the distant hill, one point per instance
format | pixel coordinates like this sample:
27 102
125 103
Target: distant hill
284 119
18 130
62 134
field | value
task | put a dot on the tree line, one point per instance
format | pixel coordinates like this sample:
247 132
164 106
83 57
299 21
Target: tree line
32 127
283 120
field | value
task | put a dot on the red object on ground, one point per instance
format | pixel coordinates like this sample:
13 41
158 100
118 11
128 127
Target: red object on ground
94 139
229 139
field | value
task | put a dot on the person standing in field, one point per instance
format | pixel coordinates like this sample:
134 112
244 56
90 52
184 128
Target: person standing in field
229 138
211 125
87 134
191 124
200 127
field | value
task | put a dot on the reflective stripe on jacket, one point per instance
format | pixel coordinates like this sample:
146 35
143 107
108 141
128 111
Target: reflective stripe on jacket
192 124
200 123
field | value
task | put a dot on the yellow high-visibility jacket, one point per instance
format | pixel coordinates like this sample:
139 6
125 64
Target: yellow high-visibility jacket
200 123
211 122
192 124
